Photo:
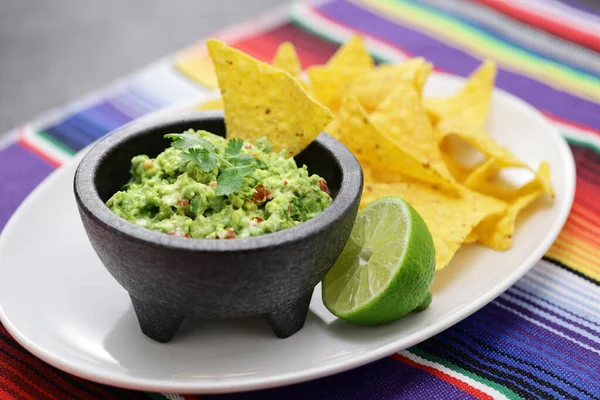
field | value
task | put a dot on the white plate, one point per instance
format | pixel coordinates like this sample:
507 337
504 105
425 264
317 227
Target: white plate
59 302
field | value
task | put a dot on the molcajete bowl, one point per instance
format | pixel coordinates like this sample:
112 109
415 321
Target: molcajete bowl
169 278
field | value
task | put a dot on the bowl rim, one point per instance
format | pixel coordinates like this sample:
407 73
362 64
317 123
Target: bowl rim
89 201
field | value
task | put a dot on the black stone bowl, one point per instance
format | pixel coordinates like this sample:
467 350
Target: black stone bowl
169 278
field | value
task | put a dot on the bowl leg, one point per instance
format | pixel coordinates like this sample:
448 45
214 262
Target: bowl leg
156 321
288 320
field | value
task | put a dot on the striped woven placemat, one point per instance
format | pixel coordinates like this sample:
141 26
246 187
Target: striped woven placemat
540 339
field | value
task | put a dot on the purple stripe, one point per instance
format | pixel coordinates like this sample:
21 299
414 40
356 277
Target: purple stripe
107 116
532 343
564 330
21 171
582 7
540 95
524 288
535 337
544 307
382 380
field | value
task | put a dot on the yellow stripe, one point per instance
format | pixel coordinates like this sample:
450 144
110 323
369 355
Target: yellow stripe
453 35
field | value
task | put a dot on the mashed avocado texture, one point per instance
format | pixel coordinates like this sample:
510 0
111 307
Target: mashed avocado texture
175 195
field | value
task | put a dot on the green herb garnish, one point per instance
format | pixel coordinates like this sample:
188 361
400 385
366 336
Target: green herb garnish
233 165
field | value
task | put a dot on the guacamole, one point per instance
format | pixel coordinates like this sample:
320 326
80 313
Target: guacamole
178 191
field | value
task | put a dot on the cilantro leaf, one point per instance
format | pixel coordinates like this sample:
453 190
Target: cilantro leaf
230 180
234 147
232 164
202 158
188 140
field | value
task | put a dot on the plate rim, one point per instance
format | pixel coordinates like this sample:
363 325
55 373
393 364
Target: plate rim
250 384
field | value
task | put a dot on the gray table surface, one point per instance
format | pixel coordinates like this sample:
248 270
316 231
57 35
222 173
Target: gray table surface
52 52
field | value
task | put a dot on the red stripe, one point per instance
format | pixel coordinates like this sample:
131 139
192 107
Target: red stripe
60 378
26 384
31 147
310 52
14 388
546 23
571 123
445 377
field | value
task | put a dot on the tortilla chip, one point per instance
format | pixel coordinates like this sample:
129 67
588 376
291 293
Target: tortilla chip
261 100
352 54
471 103
214 104
480 140
376 150
480 176
458 172
286 59
471 238
402 117
449 219
497 232
330 84
372 87
485 180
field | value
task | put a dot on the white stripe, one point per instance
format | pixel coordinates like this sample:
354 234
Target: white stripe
303 13
564 13
469 381
554 293
44 146
172 396
568 316
549 329
578 134
508 297
585 287
579 295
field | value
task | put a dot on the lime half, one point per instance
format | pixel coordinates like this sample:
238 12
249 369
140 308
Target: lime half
386 269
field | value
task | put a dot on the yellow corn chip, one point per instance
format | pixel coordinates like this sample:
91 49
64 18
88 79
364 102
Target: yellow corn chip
449 219
472 102
497 232
458 172
378 151
261 100
286 59
329 84
471 238
214 104
480 176
480 140
485 179
372 87
352 54
402 117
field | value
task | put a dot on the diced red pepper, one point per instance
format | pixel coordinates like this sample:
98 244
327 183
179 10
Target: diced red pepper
258 219
261 194
183 202
323 186
230 234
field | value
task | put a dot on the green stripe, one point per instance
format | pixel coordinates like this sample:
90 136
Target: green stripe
429 357
488 43
581 142
54 142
